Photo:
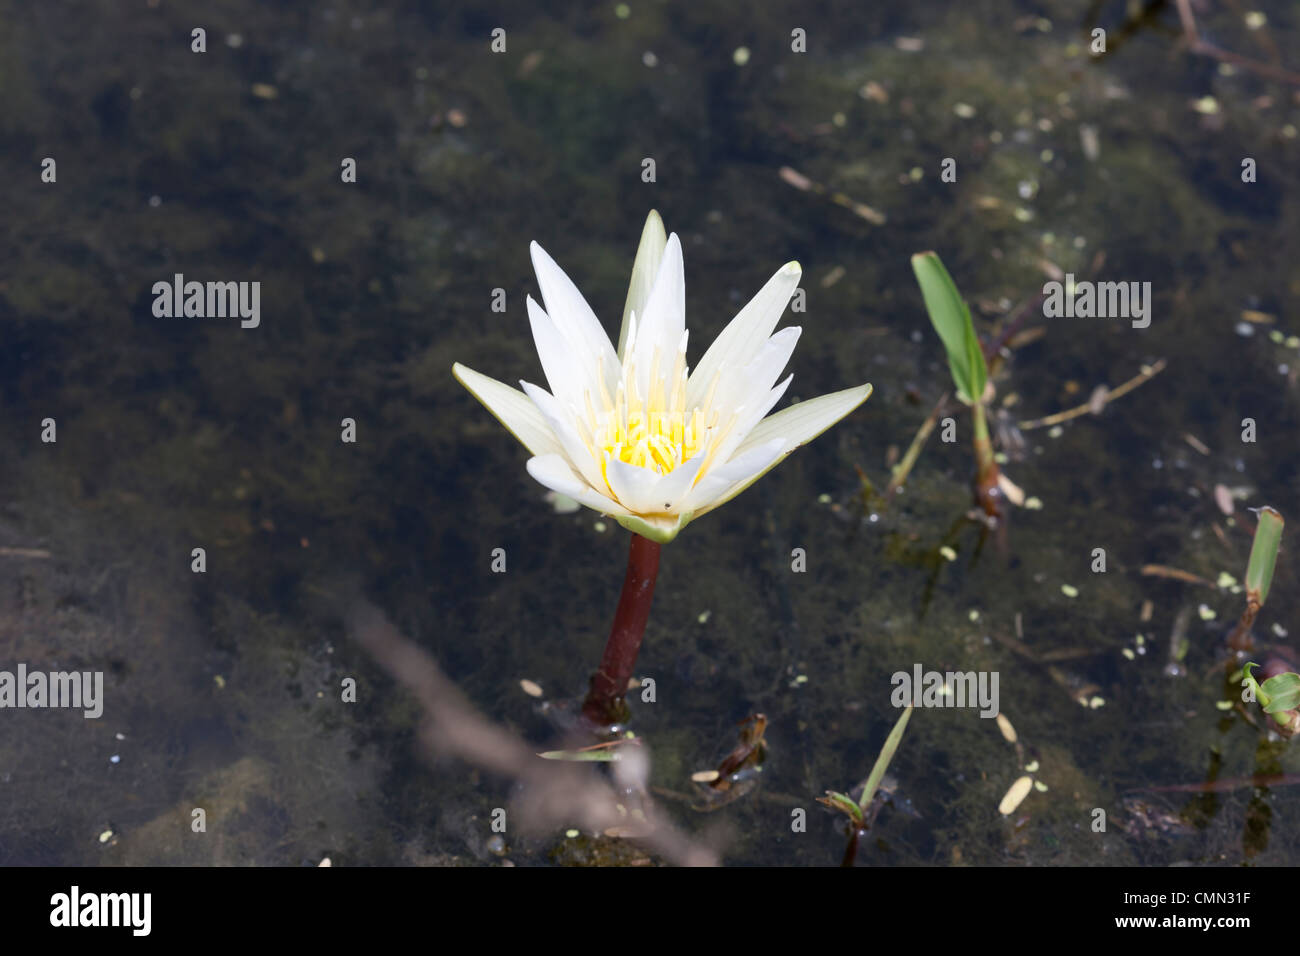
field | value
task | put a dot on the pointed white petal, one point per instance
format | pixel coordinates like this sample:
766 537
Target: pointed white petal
554 472
572 316
674 486
800 424
563 426
511 408
565 373
649 254
788 429
749 417
744 335
646 492
749 384
715 487
633 486
661 324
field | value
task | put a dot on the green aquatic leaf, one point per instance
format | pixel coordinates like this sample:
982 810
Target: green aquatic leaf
1263 554
583 756
1283 691
844 803
882 762
952 320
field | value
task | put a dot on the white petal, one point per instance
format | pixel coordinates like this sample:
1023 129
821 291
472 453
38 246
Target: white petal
633 486
749 417
801 423
564 428
511 408
744 335
554 472
787 430
748 384
649 254
661 324
646 492
715 487
672 488
572 315
565 372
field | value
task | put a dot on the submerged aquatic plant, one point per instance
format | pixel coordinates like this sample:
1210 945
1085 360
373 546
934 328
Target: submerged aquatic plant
951 318
1259 575
861 812
1279 695
636 435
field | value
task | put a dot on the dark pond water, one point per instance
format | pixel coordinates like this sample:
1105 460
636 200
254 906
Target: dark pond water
222 689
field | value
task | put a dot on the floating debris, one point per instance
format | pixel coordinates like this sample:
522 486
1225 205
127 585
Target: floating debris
795 178
834 276
561 504
1015 796
1098 399
530 688
705 776
1090 143
1008 731
1013 492
1069 590
871 90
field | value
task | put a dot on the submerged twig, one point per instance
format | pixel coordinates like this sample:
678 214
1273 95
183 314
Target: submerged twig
904 467
554 793
1091 407
1204 48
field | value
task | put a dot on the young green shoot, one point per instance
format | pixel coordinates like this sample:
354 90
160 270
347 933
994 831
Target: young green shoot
951 319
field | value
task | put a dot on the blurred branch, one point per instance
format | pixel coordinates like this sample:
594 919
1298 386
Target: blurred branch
553 793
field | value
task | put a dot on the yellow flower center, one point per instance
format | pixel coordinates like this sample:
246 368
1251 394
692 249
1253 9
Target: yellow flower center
648 431
654 431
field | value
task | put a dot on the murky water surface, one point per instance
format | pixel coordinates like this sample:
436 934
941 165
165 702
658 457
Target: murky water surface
222 689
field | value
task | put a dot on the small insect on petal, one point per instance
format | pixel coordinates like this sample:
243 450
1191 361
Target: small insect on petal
1015 796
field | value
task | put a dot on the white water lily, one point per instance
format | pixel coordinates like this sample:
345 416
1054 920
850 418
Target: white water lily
634 434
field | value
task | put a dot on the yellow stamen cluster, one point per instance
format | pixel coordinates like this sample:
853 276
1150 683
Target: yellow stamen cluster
654 431
649 431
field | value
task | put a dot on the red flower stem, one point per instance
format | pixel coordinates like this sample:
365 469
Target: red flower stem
604 704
